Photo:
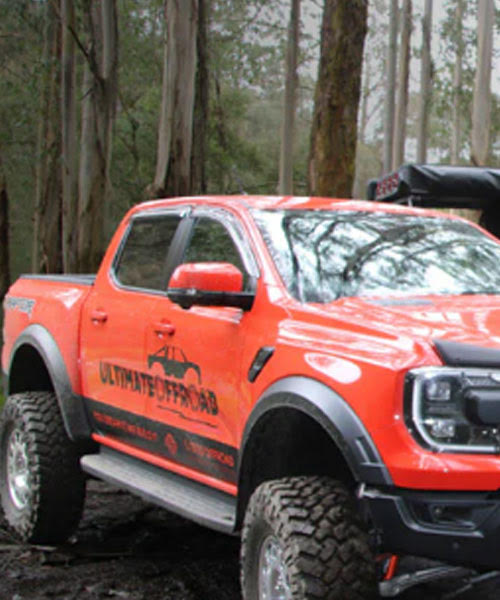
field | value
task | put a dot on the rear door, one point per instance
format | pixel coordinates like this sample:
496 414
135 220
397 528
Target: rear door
118 319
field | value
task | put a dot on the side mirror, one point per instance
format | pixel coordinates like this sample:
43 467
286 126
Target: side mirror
209 284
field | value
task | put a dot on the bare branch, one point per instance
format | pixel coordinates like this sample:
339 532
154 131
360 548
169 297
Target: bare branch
78 42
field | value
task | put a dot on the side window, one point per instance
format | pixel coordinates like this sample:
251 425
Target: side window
142 261
211 242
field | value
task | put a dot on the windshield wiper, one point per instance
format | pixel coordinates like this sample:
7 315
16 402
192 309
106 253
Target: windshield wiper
486 292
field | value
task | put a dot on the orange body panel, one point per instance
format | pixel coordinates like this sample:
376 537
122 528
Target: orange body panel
57 307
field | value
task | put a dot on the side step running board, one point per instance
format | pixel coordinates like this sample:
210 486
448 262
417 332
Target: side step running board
185 497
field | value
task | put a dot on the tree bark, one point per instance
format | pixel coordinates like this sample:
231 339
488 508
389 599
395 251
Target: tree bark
481 108
201 104
334 128
456 130
398 150
98 115
175 136
391 85
365 96
47 247
287 130
425 84
68 128
4 237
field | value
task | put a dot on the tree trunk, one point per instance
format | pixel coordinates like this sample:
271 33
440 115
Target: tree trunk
173 166
69 149
287 130
456 130
481 107
391 85
4 237
398 149
47 247
334 128
98 115
198 165
365 96
425 84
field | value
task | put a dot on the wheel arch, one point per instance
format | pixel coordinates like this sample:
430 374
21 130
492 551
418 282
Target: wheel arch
37 364
300 423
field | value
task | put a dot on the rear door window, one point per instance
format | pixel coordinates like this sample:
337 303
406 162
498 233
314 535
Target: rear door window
142 262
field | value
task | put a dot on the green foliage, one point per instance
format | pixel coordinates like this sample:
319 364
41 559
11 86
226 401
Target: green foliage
247 41
440 124
20 66
140 80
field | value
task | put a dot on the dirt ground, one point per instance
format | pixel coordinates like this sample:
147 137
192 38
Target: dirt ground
126 549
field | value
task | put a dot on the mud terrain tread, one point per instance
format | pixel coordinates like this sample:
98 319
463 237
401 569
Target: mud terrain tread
58 484
326 549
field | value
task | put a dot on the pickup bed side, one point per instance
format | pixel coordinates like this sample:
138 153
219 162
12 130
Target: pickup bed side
41 342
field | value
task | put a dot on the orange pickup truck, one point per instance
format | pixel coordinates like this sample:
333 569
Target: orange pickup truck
319 376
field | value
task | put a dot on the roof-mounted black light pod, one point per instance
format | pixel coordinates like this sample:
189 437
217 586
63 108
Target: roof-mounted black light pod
436 186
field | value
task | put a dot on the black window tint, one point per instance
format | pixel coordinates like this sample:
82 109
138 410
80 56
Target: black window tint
142 261
211 242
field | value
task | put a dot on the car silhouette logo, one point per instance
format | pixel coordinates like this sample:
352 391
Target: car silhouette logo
174 362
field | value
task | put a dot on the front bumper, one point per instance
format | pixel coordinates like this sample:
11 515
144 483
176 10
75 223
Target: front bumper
460 528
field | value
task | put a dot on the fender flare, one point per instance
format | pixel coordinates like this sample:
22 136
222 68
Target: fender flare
71 405
333 414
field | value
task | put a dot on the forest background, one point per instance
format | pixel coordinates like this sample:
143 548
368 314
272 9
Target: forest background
104 103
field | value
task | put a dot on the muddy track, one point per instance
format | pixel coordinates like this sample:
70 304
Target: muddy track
126 549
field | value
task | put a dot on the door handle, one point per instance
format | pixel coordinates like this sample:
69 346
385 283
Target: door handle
98 316
164 328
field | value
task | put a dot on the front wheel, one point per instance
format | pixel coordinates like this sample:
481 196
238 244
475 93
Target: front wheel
42 488
302 540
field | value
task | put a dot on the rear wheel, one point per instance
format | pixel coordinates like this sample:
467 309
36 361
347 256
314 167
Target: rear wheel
302 540
42 488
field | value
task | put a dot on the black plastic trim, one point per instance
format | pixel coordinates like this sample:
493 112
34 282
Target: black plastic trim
70 278
482 407
72 405
5 383
259 362
455 527
337 418
186 298
456 354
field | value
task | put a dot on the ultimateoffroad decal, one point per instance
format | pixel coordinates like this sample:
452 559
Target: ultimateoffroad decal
191 402
24 305
191 450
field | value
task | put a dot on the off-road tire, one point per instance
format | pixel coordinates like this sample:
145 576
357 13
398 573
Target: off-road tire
51 506
324 546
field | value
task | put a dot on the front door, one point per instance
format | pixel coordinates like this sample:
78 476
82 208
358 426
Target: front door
200 364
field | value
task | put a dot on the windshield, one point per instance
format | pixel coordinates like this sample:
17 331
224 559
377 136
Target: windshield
324 255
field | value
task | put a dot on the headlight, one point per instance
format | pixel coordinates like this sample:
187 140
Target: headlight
454 410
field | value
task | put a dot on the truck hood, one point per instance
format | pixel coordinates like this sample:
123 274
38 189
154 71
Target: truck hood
467 319
399 332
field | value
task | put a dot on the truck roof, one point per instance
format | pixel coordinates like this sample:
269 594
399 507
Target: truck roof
279 203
